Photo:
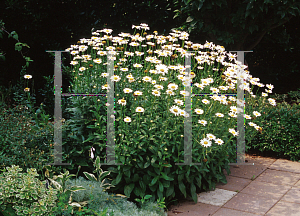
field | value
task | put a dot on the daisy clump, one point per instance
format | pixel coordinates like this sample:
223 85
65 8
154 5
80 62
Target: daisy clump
150 77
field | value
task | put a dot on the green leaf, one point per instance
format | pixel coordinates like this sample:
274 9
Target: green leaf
90 176
189 19
118 179
194 195
128 189
182 189
166 177
143 186
77 188
137 191
161 187
146 164
170 190
154 180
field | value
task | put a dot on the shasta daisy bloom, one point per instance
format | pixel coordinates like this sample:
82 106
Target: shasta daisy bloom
203 122
264 94
156 93
172 86
131 79
247 116
147 79
233 132
161 68
98 61
214 90
199 111
137 65
26 89
122 102
127 90
219 115
233 109
257 127
105 86
137 93
127 119
183 113
205 142
224 88
232 115
124 69
159 87
175 110
139 109
170 92
211 136
271 100
104 75
270 86
179 102
252 124
82 69
256 113
115 78
27 76
73 63
219 141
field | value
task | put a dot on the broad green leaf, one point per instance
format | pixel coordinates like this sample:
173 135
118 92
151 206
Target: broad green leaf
193 193
170 190
137 191
166 177
161 187
128 189
118 179
90 176
143 186
182 189
77 188
154 180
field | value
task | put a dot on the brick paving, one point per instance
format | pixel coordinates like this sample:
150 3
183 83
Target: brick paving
273 191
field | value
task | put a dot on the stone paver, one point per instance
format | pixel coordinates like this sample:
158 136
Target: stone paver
217 197
275 191
279 177
285 208
286 165
269 190
189 208
246 171
231 212
297 184
233 183
250 203
292 195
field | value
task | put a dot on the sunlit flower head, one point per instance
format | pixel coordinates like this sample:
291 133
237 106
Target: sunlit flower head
205 142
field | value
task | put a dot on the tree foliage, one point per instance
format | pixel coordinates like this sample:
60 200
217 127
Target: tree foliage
235 24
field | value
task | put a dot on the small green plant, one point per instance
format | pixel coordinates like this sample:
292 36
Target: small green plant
64 192
253 177
25 194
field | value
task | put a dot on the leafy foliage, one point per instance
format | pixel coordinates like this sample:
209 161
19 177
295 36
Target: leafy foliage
237 25
24 193
281 132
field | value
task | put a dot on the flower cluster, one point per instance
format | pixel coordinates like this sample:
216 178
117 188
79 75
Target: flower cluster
158 62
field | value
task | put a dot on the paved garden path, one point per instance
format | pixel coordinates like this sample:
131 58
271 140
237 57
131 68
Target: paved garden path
274 191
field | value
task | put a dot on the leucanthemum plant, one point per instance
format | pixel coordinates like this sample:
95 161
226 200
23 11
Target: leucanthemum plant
149 77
